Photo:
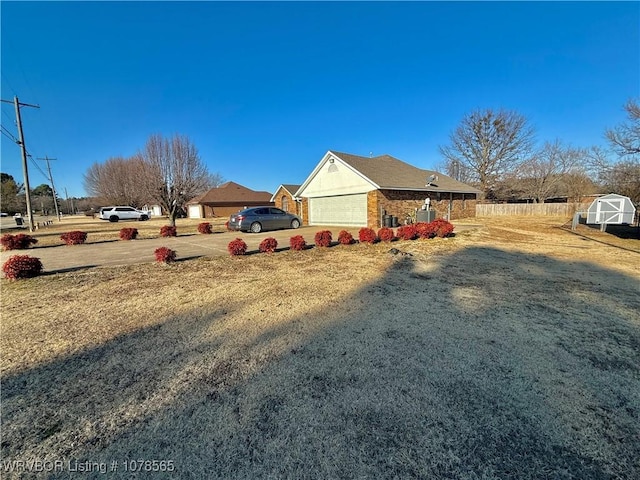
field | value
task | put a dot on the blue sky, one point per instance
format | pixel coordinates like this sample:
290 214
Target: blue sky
264 89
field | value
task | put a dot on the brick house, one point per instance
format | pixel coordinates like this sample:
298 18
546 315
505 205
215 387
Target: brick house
225 200
285 199
349 190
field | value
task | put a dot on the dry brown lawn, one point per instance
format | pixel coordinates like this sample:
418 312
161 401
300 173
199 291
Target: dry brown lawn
509 351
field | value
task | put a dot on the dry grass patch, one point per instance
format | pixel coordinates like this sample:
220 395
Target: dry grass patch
473 357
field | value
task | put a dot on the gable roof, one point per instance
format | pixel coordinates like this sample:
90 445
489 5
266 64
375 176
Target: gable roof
289 187
385 172
232 192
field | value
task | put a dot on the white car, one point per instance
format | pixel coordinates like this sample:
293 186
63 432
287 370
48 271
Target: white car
114 214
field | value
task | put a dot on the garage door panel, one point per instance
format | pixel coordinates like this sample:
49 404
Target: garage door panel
342 210
194 211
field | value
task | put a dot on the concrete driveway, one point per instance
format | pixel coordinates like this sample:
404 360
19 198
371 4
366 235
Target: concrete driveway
119 252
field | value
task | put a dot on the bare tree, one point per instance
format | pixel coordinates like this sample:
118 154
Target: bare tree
577 185
623 178
214 181
174 172
456 170
544 175
118 181
487 145
625 138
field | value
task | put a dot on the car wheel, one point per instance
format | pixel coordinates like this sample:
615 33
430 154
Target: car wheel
295 223
113 218
143 218
256 227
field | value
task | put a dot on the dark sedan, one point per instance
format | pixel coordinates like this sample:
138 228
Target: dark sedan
257 219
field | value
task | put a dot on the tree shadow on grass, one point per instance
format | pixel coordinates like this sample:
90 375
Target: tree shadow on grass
478 364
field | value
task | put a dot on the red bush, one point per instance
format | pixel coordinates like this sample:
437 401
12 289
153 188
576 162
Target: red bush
442 227
345 238
237 247
165 255
17 242
407 232
425 230
367 235
297 243
74 238
268 245
204 227
22 266
323 238
168 231
128 233
385 234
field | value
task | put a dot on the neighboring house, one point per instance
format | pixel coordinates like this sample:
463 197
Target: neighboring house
285 199
156 210
349 190
226 199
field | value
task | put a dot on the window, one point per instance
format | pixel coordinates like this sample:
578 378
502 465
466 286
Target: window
285 203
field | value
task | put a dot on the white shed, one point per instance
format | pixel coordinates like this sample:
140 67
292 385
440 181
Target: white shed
611 209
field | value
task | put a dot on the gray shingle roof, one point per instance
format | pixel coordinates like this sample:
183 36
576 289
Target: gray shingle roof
291 188
390 173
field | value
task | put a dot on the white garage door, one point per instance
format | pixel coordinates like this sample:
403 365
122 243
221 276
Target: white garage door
343 210
194 211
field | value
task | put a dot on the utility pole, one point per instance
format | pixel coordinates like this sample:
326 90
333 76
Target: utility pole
53 188
71 209
23 148
66 194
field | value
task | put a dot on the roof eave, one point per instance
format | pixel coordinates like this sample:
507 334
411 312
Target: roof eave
438 190
282 186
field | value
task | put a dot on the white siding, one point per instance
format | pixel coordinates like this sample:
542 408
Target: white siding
341 210
336 179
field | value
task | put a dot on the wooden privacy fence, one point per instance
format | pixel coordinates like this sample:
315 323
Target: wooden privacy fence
523 209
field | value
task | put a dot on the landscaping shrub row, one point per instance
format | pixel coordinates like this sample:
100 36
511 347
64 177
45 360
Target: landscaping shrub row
24 266
22 241
438 228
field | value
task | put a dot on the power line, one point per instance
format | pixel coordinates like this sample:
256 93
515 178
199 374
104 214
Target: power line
37 166
9 134
8 84
8 116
